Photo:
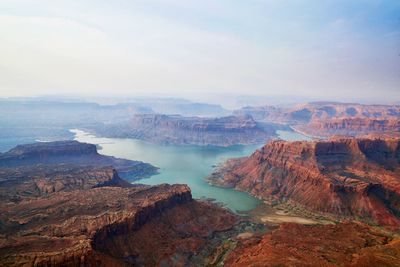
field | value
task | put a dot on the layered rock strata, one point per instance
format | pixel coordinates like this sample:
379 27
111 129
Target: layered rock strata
179 130
352 127
325 119
72 153
343 176
43 180
62 204
109 226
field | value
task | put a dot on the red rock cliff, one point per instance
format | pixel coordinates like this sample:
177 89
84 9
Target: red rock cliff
108 226
351 177
326 119
176 129
351 126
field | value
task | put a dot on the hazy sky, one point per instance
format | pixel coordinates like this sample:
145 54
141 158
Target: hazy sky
330 49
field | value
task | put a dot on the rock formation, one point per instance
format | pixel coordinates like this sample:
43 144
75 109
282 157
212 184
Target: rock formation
343 176
109 226
175 129
345 244
325 119
351 126
43 180
72 152
61 206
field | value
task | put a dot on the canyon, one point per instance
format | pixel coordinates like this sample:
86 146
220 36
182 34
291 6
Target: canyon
26 120
341 177
179 130
326 119
105 226
354 182
199 133
62 204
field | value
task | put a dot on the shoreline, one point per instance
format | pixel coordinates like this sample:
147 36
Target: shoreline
314 137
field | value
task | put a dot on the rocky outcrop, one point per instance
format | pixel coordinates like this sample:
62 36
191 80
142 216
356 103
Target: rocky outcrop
43 180
109 226
175 129
314 111
351 126
345 244
72 153
343 176
325 119
62 205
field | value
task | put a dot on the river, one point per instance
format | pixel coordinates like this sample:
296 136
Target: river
184 164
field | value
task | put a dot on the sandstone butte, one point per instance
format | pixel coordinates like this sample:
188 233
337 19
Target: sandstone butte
326 119
179 130
109 226
344 177
351 126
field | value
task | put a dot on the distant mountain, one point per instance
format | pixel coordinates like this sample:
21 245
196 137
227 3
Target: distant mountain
330 118
179 130
178 106
25 120
351 127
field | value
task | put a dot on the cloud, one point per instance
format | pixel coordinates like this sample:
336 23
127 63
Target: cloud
258 47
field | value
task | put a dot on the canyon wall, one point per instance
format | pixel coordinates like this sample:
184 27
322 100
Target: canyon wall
325 119
62 205
178 130
72 153
352 127
343 176
42 180
109 225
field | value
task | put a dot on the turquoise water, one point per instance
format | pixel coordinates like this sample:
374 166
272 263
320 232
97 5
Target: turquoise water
180 164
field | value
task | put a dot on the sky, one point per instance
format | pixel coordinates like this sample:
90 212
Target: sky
325 49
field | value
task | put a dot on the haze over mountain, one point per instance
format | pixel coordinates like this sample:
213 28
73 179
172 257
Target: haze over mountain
200 133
